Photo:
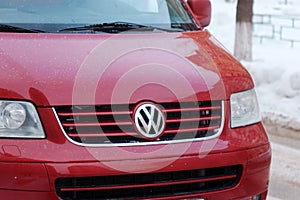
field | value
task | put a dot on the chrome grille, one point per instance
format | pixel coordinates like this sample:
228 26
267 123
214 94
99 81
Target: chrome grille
113 124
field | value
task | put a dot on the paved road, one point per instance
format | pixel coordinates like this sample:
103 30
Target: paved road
285 170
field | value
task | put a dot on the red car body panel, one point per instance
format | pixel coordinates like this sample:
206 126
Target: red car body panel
52 70
249 184
42 69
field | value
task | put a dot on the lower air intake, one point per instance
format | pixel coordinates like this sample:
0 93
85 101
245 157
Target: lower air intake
154 185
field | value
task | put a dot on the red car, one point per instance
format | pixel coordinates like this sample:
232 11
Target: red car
124 99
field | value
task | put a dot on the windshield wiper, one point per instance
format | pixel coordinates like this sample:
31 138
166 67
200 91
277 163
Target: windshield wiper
16 29
116 27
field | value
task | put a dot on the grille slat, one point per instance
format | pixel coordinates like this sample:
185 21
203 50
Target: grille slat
78 124
101 135
193 119
193 109
94 113
101 125
164 184
148 185
191 130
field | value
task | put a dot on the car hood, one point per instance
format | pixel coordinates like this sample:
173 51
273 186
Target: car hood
88 69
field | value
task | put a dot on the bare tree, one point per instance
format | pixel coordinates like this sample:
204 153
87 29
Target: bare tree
244 28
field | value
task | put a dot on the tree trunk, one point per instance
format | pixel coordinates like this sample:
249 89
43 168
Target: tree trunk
244 28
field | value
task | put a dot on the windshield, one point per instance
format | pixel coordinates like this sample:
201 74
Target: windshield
55 15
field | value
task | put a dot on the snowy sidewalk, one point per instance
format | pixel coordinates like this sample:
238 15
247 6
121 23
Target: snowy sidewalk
272 198
285 169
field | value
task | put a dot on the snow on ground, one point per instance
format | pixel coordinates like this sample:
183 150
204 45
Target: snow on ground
276 65
287 165
285 168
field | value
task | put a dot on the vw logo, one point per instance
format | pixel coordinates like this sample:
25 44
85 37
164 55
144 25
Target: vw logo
149 121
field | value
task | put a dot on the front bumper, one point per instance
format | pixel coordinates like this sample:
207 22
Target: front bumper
37 180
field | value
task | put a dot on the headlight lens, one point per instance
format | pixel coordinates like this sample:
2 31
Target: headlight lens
19 120
244 109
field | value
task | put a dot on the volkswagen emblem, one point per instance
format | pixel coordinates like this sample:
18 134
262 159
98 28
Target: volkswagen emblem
149 121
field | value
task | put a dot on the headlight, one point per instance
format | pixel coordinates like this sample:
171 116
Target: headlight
244 109
19 120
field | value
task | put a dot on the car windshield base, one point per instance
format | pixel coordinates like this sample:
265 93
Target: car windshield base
117 27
